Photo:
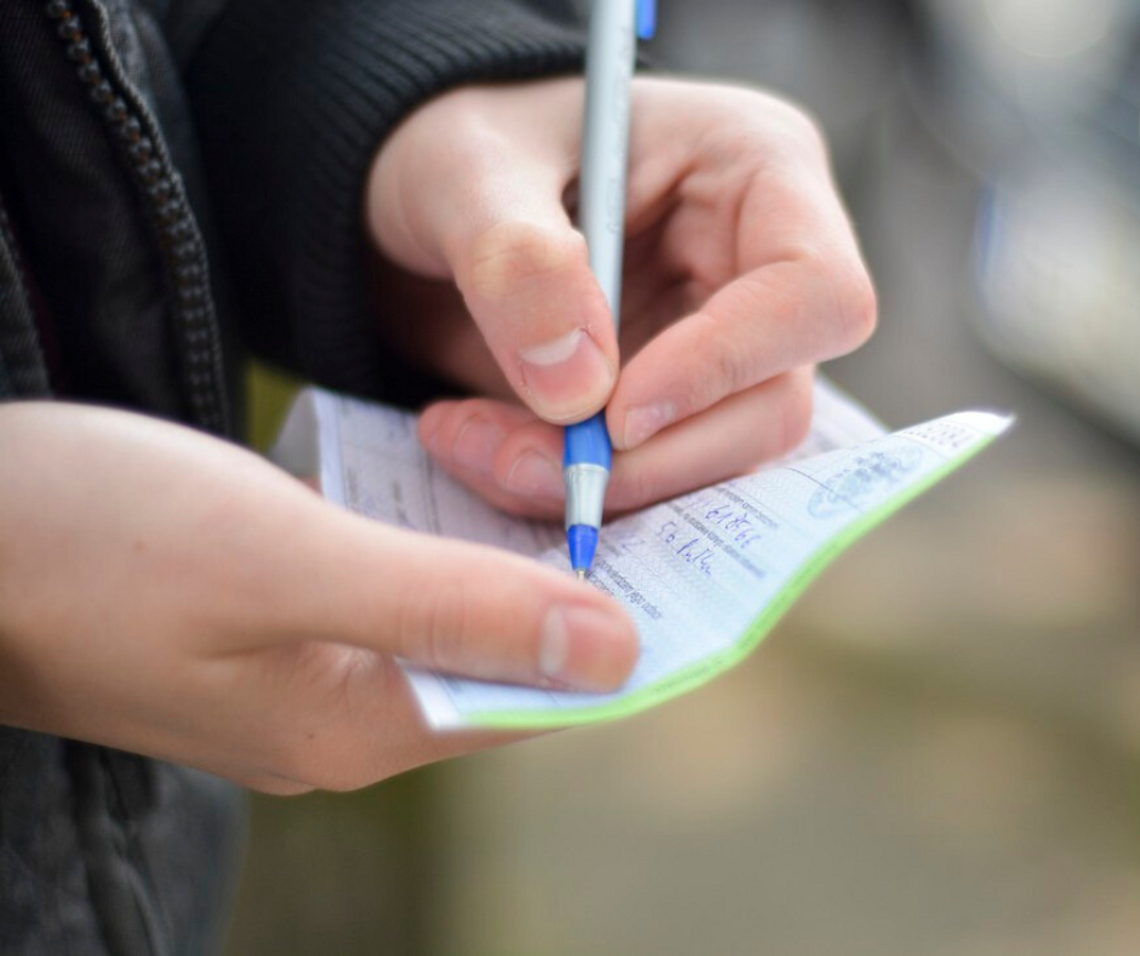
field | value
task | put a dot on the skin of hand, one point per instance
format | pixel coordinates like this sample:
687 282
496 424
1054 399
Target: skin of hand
741 272
167 593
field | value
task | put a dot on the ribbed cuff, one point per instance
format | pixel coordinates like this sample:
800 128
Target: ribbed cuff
292 99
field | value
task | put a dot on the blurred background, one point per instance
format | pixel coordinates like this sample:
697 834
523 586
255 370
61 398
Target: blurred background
938 750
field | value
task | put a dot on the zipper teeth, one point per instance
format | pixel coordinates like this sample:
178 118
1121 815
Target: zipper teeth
160 187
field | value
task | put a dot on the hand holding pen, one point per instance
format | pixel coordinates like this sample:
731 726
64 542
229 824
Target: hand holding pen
740 273
610 60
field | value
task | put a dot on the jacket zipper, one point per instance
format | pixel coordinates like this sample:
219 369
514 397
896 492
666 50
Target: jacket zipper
163 197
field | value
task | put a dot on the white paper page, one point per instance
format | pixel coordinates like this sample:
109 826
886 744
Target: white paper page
694 573
370 462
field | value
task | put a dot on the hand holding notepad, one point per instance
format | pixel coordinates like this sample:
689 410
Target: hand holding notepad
704 576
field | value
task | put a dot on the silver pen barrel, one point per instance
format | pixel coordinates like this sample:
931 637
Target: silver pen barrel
610 58
585 494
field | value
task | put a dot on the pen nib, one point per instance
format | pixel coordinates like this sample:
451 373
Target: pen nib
581 574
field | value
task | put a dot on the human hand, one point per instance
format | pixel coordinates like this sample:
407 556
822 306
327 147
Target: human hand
741 272
167 593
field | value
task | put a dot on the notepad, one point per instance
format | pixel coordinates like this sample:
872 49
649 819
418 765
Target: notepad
705 576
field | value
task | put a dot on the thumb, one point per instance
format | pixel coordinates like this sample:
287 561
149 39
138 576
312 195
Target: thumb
480 612
525 276
529 288
470 187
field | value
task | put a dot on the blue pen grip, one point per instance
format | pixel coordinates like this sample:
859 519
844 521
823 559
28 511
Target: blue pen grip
588 443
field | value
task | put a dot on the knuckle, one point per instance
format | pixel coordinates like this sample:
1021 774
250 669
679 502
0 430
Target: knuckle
727 374
858 308
797 411
793 125
778 126
510 257
740 147
474 144
717 369
847 305
696 390
803 127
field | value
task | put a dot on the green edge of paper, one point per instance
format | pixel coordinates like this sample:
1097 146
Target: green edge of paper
701 672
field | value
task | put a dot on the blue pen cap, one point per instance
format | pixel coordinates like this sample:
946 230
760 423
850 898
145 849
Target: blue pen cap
588 443
646 19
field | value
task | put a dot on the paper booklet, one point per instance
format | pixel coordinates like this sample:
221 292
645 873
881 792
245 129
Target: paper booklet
705 576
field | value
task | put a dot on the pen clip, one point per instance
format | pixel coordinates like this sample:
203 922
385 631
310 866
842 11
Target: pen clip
646 19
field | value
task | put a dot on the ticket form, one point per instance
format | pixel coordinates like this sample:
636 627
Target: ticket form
704 576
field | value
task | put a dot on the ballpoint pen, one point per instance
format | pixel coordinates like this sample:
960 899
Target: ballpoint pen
610 55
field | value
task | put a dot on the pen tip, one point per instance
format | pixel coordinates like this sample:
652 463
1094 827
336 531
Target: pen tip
581 572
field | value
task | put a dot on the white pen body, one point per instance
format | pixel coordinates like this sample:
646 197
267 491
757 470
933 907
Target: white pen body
610 59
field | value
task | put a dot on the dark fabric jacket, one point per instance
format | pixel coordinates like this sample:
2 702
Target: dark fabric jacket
180 179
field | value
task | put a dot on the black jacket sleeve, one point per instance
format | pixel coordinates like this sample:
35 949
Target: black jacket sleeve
291 99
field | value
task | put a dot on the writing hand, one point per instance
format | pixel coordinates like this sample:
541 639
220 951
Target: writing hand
741 272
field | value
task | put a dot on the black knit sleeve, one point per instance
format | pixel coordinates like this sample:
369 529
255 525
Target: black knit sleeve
291 99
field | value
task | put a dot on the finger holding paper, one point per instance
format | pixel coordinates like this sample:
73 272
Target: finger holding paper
509 455
214 612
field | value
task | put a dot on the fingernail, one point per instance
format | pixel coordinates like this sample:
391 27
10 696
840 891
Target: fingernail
534 474
568 377
586 649
643 422
475 446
